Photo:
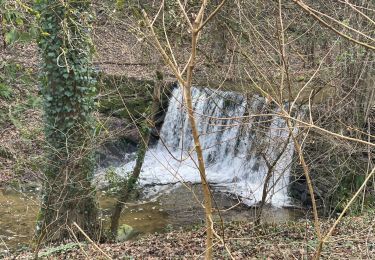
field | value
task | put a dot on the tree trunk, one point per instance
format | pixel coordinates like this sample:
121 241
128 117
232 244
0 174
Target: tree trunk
196 27
129 185
67 88
266 188
198 148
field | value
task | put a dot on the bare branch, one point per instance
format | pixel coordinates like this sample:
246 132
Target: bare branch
307 10
212 14
185 14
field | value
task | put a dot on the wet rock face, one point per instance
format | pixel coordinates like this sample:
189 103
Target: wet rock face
123 102
112 153
299 191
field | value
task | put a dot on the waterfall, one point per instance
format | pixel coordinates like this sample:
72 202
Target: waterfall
238 147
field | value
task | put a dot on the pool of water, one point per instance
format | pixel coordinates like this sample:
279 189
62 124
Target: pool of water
178 206
18 212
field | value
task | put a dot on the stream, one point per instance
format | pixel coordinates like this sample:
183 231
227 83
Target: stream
175 208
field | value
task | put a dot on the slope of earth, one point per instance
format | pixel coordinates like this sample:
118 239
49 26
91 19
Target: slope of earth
20 113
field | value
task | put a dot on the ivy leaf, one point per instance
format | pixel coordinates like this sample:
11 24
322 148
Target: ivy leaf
19 21
33 31
11 36
25 37
68 108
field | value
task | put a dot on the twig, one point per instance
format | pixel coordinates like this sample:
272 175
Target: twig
165 56
185 14
306 8
212 15
320 246
92 242
79 244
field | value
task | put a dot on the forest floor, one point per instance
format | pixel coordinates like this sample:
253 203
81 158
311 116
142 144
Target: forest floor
354 238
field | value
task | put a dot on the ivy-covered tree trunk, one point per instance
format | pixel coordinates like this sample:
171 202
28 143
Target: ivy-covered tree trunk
67 87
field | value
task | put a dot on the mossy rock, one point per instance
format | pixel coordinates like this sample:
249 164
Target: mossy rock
125 97
122 96
125 232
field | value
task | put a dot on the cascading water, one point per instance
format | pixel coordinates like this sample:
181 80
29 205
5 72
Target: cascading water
239 148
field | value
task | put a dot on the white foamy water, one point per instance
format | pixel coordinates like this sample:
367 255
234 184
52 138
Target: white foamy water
235 146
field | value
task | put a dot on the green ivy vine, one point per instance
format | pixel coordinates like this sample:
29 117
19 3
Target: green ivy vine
67 85
17 22
68 89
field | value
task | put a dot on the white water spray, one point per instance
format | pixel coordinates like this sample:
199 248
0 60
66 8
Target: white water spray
236 145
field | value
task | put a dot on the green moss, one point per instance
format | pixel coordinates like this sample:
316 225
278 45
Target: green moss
125 97
125 232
